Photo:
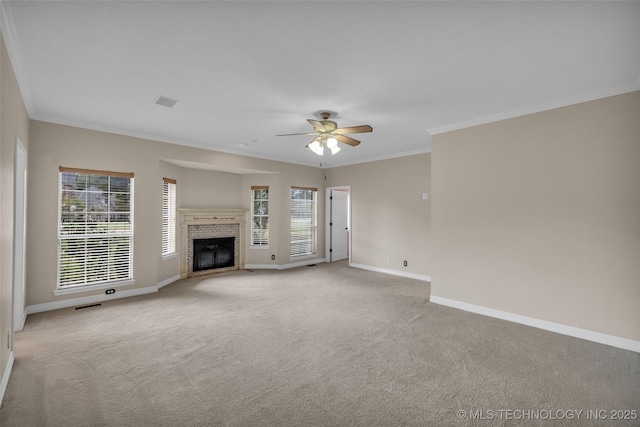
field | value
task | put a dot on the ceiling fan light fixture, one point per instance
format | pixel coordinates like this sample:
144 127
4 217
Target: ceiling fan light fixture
327 133
317 147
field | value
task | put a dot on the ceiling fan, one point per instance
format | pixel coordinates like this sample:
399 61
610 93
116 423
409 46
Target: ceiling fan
328 134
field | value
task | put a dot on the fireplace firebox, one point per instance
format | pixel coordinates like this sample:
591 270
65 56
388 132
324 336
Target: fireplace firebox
209 254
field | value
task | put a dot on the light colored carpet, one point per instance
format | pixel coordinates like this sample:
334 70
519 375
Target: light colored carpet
314 346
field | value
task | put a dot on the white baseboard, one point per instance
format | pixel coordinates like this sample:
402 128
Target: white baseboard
91 299
5 377
598 337
262 267
168 281
422 277
24 320
18 326
284 266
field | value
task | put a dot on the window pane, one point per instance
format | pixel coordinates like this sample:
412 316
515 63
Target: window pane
99 181
264 223
119 184
69 179
120 208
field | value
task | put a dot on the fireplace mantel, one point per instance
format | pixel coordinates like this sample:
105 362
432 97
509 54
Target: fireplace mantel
190 217
212 216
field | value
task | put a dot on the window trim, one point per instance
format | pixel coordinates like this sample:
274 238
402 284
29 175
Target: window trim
86 287
169 230
314 227
253 245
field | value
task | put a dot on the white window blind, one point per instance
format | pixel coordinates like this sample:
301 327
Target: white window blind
95 227
303 221
168 216
260 216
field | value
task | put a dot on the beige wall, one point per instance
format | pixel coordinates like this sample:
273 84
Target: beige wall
210 189
14 122
56 145
540 216
390 223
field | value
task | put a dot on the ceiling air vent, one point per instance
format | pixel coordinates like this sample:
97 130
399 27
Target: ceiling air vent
166 101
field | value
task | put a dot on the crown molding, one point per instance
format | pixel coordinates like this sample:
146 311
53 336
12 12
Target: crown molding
159 138
618 90
379 158
196 144
15 55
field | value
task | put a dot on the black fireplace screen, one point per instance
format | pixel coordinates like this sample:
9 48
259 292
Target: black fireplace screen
214 253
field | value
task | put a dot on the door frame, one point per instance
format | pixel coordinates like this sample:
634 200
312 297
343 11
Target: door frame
19 235
327 216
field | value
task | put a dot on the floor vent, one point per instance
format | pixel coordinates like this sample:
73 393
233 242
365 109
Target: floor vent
87 306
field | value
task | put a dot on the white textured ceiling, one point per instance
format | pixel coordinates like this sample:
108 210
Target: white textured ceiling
243 72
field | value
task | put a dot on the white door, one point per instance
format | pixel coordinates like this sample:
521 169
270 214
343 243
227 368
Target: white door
339 224
20 188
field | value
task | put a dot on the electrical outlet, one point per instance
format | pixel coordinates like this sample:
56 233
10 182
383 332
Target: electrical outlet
273 257
404 263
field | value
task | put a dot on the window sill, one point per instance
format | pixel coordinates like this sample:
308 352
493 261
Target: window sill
88 288
169 256
258 246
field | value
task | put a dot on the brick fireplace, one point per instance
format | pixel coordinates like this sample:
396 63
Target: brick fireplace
211 224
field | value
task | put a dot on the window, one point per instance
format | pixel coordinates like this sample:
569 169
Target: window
95 227
303 221
168 216
260 216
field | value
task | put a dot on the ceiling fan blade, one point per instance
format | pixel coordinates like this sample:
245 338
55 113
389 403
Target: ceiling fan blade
318 126
292 134
353 129
347 140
